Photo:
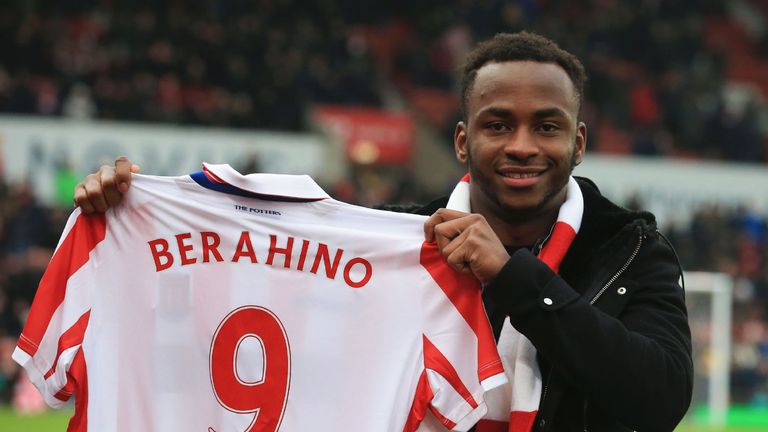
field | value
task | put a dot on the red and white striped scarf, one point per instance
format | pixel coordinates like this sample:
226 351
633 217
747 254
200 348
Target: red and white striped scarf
512 407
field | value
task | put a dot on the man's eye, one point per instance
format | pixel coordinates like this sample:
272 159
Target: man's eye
497 127
548 127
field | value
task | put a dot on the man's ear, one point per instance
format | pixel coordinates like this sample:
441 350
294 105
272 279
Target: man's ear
460 142
580 143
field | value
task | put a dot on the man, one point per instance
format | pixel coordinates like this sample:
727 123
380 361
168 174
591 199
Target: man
606 319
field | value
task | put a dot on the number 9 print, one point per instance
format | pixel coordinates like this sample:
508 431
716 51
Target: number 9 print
266 397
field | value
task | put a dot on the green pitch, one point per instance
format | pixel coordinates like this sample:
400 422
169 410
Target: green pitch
697 428
51 421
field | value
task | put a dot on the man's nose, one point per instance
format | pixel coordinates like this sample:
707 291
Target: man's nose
521 145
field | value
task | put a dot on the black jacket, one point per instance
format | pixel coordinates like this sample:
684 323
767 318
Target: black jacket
614 345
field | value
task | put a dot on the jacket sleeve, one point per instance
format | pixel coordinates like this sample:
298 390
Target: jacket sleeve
637 366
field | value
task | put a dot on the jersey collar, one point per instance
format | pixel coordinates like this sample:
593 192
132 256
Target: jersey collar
273 187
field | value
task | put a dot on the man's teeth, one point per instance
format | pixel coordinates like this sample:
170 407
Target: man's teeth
521 175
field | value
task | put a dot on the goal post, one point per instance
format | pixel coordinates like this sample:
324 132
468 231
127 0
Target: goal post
709 299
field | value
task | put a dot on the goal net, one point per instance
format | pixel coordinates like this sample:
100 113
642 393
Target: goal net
709 297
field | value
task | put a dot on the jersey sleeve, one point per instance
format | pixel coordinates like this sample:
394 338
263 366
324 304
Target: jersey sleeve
49 346
461 362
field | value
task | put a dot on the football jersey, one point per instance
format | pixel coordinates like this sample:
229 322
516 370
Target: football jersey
221 302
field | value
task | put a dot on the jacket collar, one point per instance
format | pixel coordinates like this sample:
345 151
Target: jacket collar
603 221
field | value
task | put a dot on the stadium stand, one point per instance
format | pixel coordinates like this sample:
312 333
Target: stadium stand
683 79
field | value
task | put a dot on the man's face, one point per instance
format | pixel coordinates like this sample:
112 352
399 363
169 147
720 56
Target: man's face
522 139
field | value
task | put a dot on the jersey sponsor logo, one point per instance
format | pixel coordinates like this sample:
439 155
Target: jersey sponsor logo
254 210
206 247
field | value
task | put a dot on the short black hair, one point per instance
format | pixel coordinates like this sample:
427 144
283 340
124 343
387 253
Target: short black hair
522 46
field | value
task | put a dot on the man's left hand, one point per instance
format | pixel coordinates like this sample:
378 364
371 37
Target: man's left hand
467 242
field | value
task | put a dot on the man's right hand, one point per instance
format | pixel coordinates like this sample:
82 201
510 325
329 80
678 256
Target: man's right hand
105 188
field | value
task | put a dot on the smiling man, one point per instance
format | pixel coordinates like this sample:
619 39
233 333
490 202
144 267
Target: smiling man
585 297
599 338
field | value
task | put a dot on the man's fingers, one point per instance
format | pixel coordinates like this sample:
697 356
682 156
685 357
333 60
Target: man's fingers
122 173
81 199
452 245
112 197
439 217
81 196
104 188
95 193
429 227
445 233
458 261
458 251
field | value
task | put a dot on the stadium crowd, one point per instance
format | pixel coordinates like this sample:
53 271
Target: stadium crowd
669 81
676 78
734 242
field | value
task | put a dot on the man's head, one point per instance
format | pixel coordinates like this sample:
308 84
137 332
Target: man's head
520 137
522 46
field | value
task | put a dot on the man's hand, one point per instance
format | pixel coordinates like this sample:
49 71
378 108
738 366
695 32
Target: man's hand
467 242
104 188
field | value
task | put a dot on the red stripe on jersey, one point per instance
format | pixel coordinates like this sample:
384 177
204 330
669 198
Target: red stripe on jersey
420 402
66 392
72 337
485 425
79 375
559 241
464 292
72 254
521 420
435 360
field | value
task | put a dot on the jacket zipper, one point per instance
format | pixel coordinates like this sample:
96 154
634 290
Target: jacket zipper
603 289
546 387
621 270
539 245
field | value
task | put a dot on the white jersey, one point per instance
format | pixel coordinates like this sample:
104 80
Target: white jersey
260 305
